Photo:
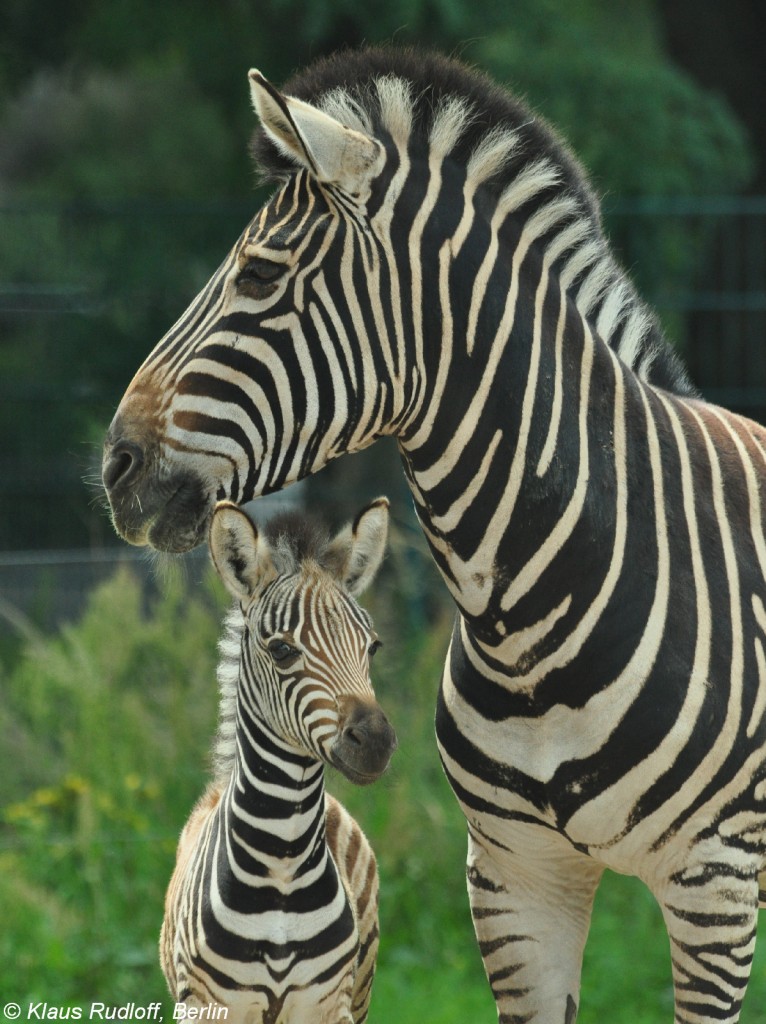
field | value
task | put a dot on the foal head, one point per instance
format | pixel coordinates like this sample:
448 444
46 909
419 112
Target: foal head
306 644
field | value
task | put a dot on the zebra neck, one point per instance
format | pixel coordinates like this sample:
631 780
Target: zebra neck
274 806
502 465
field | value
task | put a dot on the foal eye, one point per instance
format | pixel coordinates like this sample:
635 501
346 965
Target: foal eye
258 276
375 646
281 651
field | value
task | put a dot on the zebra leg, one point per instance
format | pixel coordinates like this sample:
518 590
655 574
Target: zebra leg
531 908
710 915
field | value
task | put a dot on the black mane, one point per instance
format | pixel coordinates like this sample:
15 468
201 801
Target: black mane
432 78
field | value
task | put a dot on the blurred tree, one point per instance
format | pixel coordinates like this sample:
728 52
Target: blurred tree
600 75
597 70
216 43
148 132
724 47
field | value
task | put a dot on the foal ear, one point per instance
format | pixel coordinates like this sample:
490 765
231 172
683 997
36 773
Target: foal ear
333 153
240 555
357 550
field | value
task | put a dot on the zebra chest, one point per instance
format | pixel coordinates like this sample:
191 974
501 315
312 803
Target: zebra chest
505 766
513 744
521 784
610 773
265 936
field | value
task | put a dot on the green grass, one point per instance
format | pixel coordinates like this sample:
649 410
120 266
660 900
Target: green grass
104 731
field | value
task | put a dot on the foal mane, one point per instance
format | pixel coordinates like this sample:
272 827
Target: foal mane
419 97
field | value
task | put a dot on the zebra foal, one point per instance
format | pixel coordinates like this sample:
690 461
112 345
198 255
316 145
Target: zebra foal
272 908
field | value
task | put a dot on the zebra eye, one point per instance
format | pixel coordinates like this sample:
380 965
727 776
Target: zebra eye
281 651
258 277
375 646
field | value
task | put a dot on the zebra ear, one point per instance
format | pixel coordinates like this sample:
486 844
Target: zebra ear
356 552
333 153
240 555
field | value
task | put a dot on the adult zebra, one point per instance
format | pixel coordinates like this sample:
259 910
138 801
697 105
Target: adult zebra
432 266
272 910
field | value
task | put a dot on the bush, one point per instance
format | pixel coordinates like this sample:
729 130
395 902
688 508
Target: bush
116 714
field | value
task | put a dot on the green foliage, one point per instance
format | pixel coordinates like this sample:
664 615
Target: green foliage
104 135
639 124
335 23
114 713
161 91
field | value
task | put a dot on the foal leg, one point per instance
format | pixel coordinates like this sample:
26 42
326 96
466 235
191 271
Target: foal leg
531 906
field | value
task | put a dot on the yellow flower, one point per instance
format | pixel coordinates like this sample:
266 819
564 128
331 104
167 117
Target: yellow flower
46 796
76 783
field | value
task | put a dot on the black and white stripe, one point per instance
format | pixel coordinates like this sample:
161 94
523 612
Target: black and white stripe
272 909
432 266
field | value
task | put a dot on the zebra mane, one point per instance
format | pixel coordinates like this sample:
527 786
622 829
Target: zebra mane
227 675
416 95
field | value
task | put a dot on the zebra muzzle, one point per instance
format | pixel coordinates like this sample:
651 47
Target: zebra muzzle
365 742
169 512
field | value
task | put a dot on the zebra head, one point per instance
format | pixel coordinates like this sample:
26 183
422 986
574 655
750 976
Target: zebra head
304 661
274 368
387 287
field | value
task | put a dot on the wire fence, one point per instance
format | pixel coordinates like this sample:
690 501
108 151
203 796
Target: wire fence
702 264
40 590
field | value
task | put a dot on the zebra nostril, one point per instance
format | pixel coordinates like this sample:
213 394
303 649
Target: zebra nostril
122 464
353 735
